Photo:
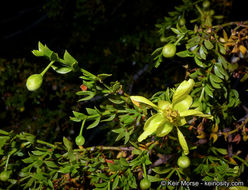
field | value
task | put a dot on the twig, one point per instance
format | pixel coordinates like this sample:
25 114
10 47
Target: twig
94 148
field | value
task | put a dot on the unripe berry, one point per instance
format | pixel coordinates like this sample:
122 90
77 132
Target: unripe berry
34 82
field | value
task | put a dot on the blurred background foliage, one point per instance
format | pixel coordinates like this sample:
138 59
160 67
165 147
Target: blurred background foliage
105 36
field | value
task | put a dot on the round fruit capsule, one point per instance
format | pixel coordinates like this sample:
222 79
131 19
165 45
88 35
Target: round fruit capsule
183 162
34 82
80 140
169 50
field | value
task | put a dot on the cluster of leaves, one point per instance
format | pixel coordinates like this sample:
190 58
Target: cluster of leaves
207 92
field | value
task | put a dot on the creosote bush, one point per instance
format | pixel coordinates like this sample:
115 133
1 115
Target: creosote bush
190 133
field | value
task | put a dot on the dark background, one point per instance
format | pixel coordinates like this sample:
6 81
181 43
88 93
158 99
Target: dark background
107 36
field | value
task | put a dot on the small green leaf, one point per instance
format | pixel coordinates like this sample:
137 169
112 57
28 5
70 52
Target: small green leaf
202 53
88 95
67 143
208 91
185 53
200 63
112 116
79 115
37 152
62 70
176 31
217 72
68 59
51 164
215 78
95 123
221 151
208 44
162 170
115 183
116 101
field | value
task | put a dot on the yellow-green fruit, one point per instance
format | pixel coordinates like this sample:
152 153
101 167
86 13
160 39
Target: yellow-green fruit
34 82
183 162
4 176
80 140
169 50
182 21
145 184
206 4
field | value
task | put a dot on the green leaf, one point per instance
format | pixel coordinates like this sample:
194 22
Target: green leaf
143 100
154 178
37 152
62 70
68 59
51 164
199 63
208 44
88 74
208 91
183 90
116 101
217 72
95 123
184 104
115 183
202 53
88 95
183 142
221 151
112 116
79 115
215 85
162 170
67 143
91 111
215 78
176 31
2 132
151 125
185 53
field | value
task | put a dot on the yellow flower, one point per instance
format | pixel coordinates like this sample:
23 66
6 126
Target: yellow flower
170 115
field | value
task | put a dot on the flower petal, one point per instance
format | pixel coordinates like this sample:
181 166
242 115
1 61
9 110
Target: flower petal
151 125
162 104
195 113
183 142
184 104
143 100
183 90
164 129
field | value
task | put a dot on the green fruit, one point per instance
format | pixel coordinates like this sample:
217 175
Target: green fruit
206 4
4 176
80 140
182 21
34 82
183 162
169 50
145 184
